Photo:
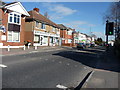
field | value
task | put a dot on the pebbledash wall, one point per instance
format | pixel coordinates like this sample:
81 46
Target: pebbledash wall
13 24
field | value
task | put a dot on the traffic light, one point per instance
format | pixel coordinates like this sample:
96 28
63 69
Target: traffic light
110 28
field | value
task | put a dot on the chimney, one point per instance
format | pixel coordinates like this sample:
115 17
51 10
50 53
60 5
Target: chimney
36 9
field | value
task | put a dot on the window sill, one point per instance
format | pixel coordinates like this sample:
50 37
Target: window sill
37 28
43 29
14 23
13 41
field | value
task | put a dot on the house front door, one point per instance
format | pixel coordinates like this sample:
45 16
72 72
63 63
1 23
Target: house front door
41 40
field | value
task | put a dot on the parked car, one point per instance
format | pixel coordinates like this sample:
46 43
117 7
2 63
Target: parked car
87 45
81 45
92 45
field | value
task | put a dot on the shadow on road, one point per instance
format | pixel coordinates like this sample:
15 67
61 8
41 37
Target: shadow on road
96 58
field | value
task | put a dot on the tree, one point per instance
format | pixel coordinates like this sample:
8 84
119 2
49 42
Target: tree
113 15
99 41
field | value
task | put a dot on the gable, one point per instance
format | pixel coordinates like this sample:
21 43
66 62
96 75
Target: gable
17 7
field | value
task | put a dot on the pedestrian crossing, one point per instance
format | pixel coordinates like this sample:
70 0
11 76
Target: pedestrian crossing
3 66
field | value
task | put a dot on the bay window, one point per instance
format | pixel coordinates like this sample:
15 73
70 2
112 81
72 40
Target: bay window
13 33
45 40
36 39
13 36
14 18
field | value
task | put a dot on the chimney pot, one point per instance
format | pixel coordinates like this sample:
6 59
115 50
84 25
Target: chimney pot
36 9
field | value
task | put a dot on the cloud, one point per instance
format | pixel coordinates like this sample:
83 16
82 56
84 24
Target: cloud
75 25
79 24
59 10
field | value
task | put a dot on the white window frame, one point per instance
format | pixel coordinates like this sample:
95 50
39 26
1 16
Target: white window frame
13 13
53 29
69 32
58 31
69 41
38 38
45 40
12 37
36 24
44 26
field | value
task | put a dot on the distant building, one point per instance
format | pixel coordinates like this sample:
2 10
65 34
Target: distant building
82 38
111 42
75 37
66 35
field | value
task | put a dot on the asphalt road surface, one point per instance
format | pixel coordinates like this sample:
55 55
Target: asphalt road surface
67 67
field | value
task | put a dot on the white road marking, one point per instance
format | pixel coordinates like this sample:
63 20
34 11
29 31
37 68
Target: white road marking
68 64
46 59
60 62
61 86
75 65
53 60
33 51
52 50
3 66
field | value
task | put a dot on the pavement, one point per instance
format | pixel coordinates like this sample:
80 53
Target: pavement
18 51
106 75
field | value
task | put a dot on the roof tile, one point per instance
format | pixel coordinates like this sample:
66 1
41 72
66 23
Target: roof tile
37 16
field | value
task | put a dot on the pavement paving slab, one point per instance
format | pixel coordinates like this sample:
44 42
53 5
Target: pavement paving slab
102 79
107 73
18 51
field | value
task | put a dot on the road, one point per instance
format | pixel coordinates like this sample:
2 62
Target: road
48 69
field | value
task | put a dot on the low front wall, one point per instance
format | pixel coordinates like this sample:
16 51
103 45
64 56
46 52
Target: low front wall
68 44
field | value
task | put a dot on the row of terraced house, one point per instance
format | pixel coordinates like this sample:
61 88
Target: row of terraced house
17 26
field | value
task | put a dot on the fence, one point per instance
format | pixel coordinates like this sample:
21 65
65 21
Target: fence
9 47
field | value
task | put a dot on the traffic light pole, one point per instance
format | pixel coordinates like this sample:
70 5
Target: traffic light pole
107 35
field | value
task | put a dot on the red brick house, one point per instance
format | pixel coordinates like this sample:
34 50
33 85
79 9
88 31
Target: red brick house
66 35
63 33
12 24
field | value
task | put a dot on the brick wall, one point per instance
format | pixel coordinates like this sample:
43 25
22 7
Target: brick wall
29 36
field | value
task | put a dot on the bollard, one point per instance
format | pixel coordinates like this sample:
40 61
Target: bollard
8 47
28 46
24 47
35 47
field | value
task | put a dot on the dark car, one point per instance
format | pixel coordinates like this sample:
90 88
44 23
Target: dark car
92 45
80 45
87 45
